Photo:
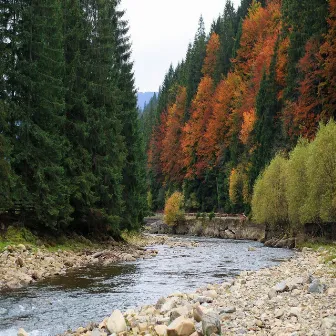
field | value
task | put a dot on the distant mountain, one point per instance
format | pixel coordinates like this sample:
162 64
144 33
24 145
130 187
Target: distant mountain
143 98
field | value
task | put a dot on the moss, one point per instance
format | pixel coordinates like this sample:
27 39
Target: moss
20 235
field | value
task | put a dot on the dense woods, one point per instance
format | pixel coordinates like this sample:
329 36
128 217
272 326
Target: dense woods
260 80
71 151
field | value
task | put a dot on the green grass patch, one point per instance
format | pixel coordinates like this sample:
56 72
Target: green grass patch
20 235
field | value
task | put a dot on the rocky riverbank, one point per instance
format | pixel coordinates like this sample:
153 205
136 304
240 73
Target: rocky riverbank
23 264
296 298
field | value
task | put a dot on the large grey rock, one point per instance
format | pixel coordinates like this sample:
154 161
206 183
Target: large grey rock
211 324
316 287
116 323
181 327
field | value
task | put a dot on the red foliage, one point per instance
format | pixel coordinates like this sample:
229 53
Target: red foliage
211 58
171 155
195 128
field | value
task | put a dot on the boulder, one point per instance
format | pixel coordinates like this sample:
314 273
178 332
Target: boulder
316 287
181 327
198 312
161 330
211 324
168 305
22 332
116 323
177 312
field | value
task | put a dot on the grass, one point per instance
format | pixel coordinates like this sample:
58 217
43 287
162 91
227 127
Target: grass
21 235
318 246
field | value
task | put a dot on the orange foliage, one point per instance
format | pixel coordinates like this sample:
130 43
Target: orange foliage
171 155
249 118
195 128
211 58
219 129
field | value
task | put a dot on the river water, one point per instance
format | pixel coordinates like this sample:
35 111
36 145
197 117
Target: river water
58 304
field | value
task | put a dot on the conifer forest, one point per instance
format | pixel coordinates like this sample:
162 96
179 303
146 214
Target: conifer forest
259 88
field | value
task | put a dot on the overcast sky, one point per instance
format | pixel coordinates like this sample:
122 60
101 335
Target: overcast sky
160 32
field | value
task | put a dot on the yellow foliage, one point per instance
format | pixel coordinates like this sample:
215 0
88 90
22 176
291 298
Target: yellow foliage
173 211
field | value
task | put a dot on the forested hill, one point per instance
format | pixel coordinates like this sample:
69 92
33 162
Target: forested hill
71 156
264 76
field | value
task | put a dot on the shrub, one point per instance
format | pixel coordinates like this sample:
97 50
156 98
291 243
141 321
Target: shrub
198 215
321 175
173 210
269 203
296 183
211 215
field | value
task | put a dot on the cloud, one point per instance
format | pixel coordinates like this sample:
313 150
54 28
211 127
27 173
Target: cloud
161 30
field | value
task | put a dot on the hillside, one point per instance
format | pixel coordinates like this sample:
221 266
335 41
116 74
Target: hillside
263 77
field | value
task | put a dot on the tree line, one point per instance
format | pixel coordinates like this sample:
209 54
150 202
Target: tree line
70 140
262 78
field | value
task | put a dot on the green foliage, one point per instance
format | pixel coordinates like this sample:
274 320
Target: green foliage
301 189
269 203
211 215
320 203
70 142
174 212
296 183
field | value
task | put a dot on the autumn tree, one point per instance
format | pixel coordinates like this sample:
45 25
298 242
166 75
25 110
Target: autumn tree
171 155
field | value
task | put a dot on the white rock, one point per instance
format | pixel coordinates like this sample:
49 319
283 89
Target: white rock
22 332
161 330
116 323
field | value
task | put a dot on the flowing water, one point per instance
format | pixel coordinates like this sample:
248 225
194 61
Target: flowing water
82 296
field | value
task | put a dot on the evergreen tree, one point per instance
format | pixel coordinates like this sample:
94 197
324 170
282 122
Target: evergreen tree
133 172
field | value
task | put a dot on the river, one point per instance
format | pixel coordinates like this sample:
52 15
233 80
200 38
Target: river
90 294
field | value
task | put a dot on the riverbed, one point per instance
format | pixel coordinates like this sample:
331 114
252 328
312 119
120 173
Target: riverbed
67 302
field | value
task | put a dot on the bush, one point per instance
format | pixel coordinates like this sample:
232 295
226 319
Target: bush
211 215
198 215
301 189
269 203
297 183
173 210
320 204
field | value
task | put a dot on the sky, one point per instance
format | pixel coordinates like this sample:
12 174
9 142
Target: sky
161 30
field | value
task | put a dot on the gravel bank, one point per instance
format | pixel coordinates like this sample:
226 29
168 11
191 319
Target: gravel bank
22 265
296 298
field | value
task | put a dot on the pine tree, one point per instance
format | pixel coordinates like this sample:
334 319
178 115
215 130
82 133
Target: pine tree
37 115
133 172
